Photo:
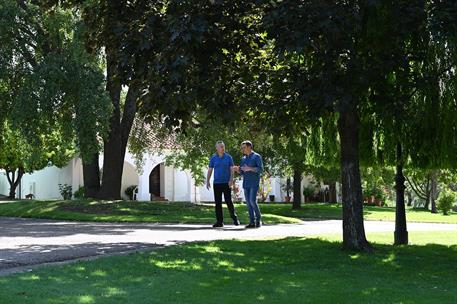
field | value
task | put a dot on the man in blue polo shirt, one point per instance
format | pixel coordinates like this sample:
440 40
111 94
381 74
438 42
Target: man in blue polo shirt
251 168
222 165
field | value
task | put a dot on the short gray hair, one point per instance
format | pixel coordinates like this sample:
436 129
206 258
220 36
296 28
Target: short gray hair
220 142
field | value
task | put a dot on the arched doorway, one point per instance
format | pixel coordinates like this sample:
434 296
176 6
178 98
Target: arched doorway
154 182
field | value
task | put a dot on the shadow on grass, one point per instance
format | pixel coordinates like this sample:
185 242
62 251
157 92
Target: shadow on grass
290 270
42 228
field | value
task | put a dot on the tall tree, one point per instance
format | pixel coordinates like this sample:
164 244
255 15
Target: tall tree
330 38
53 88
18 155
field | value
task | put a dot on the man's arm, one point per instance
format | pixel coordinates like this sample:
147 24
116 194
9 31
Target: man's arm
208 178
231 176
258 166
232 169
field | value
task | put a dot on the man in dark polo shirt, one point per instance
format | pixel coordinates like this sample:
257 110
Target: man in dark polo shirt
222 164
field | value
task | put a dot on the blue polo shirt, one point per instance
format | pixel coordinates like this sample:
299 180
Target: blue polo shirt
221 166
252 179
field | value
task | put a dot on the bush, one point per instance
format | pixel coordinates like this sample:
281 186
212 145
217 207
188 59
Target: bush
446 200
308 193
66 191
129 191
79 194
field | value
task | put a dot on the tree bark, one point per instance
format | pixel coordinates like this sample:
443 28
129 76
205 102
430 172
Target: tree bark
353 229
410 199
433 192
428 192
112 160
401 233
120 123
14 181
332 192
297 188
91 176
116 145
288 187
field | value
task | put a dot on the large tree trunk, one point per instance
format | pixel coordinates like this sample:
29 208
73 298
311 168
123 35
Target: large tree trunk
112 160
434 192
410 198
14 181
120 124
91 175
297 188
401 233
428 196
116 145
353 228
332 192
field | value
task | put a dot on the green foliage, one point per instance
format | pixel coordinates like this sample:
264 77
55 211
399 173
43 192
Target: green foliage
55 90
18 151
377 181
66 191
192 149
446 200
79 194
298 277
287 187
308 191
129 191
176 212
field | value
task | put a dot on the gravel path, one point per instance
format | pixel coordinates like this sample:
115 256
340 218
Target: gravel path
27 242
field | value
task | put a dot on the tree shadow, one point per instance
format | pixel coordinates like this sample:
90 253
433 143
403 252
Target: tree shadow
295 270
22 227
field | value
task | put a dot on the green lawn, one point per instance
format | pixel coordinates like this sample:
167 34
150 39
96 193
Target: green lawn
190 213
294 270
123 211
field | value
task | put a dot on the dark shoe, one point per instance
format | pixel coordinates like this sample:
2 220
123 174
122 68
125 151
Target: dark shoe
250 226
236 222
258 224
218 225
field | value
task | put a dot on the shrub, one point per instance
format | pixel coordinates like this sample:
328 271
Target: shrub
308 192
79 194
66 191
446 200
129 191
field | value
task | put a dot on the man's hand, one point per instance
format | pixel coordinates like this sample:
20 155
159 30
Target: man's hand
247 168
208 185
236 169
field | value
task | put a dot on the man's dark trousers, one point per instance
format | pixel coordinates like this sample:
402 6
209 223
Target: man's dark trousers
220 189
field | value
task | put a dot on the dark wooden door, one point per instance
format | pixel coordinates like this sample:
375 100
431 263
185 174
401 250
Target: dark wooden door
154 182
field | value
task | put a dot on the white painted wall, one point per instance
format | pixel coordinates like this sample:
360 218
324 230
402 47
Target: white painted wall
4 186
129 178
176 184
44 184
77 174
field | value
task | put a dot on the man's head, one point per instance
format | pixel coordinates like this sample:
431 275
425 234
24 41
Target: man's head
246 147
220 147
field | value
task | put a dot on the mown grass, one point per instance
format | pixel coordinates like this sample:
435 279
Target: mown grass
124 211
179 212
293 270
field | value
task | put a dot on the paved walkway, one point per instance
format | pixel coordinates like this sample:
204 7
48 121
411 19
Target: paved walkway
26 242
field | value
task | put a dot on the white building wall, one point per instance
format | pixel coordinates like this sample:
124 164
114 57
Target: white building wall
4 186
129 178
182 189
77 174
176 184
44 184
